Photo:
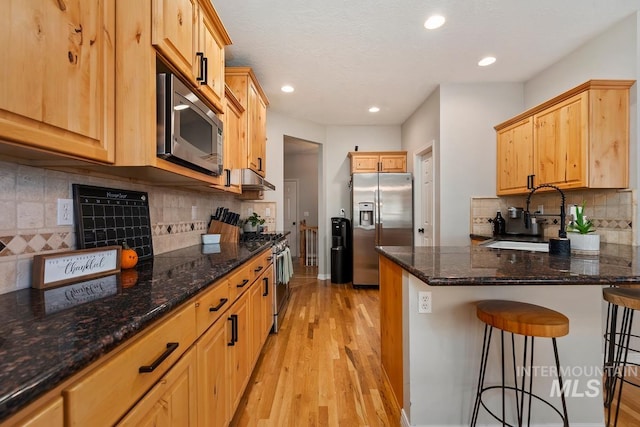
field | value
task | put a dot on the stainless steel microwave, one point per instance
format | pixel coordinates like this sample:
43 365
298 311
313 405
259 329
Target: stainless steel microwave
189 132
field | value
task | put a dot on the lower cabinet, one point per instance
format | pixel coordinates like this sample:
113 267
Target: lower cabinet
172 401
214 402
190 369
240 360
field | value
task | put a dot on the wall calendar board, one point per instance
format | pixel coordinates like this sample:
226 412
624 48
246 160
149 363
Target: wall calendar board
107 216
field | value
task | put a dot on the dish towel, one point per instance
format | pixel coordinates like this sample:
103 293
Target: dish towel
287 266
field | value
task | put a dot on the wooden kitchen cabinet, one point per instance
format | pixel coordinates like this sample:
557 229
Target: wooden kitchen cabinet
234 137
214 364
379 161
189 34
515 156
253 127
580 139
172 401
240 360
48 414
106 393
57 77
262 311
150 33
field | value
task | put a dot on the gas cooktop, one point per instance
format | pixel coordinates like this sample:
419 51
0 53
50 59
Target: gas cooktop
261 237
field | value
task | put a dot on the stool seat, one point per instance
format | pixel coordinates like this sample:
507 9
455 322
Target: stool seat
523 318
624 297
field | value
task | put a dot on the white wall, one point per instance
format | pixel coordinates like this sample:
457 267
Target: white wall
464 149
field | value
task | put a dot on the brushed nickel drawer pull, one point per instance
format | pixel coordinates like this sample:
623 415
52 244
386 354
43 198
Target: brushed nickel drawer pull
171 347
223 301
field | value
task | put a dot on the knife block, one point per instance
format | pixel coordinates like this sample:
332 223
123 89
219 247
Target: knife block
228 233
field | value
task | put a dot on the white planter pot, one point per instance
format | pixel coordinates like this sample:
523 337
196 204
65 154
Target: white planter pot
250 228
584 243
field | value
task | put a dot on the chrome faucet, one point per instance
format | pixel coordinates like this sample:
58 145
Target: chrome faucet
527 216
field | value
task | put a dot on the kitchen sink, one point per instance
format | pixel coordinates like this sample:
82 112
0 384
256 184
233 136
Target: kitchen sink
520 246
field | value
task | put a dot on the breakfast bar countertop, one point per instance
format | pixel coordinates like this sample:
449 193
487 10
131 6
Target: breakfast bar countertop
47 336
478 265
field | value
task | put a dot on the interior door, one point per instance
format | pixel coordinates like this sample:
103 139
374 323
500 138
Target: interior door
291 215
425 224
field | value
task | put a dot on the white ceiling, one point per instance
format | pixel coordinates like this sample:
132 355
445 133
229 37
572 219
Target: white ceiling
343 56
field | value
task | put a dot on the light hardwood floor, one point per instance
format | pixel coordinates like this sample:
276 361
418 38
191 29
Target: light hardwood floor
323 367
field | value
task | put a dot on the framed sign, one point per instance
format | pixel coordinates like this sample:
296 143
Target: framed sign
54 270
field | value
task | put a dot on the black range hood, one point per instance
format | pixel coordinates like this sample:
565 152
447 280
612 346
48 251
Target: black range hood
250 180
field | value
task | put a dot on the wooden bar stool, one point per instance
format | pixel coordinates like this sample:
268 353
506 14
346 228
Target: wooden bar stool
530 321
617 339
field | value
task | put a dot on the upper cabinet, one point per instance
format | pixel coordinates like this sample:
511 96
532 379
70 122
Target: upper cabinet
57 76
378 161
579 139
185 36
191 37
244 85
234 137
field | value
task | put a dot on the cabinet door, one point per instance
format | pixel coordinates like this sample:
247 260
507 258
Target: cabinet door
57 76
515 157
50 415
173 32
393 163
257 111
211 46
560 149
172 401
362 163
213 380
239 349
233 140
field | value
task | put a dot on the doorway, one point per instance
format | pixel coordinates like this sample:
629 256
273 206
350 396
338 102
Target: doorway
291 214
426 211
301 170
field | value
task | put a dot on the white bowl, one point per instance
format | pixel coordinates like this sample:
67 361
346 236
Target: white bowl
209 239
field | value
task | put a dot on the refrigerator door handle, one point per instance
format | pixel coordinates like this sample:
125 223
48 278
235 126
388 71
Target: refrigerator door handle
376 217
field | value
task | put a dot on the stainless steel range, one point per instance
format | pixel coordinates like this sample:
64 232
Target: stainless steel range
281 272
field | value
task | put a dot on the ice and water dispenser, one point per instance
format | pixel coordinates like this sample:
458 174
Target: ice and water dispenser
366 214
340 250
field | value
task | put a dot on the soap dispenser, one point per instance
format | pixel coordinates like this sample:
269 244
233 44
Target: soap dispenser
499 225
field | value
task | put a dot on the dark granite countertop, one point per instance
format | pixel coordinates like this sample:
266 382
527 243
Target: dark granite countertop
478 265
44 340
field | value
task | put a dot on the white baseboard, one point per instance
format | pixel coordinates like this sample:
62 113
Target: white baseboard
324 276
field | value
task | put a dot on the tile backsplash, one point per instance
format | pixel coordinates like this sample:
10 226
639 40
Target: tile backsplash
611 211
28 223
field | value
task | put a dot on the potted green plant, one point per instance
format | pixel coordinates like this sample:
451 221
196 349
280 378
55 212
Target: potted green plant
252 222
582 233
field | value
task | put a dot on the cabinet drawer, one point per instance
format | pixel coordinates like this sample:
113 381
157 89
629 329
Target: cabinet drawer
239 281
211 305
259 264
107 392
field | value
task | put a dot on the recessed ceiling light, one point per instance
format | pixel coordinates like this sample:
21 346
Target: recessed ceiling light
374 109
435 21
486 61
287 88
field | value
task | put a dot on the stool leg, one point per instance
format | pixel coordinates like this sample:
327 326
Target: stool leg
623 352
502 369
609 353
519 393
564 403
530 385
486 341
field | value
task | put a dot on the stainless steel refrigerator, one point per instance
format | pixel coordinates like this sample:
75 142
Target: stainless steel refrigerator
382 215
